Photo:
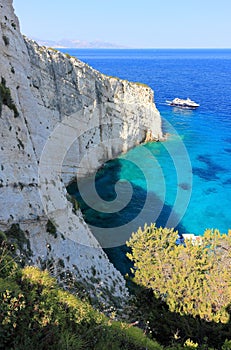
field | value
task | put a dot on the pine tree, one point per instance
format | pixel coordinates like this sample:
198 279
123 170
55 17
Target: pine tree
193 279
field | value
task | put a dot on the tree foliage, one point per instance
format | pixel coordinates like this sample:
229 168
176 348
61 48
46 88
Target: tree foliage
36 314
193 279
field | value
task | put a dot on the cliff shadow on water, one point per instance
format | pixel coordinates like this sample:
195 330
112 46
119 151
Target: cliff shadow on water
135 214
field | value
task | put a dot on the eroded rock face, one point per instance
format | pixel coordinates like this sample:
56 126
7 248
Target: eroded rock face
42 89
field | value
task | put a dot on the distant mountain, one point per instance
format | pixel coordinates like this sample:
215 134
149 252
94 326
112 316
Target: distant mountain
67 43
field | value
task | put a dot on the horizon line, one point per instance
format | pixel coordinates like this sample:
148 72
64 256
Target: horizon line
144 48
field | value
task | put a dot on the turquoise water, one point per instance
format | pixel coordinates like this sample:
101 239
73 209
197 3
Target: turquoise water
201 182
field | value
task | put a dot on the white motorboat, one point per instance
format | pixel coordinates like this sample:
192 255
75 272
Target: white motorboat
179 102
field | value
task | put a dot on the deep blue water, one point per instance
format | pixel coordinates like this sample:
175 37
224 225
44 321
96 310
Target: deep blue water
201 184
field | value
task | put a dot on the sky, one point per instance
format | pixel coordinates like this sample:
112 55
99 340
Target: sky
132 23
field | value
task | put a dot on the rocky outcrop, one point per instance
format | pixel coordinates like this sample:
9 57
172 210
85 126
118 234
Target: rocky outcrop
43 91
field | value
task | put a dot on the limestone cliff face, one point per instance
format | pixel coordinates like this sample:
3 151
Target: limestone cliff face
41 89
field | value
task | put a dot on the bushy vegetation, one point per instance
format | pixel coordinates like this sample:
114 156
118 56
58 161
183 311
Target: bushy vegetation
181 299
74 202
36 314
51 228
52 49
68 55
142 84
6 40
6 99
185 290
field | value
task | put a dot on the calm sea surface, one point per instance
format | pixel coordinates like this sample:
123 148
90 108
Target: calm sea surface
203 180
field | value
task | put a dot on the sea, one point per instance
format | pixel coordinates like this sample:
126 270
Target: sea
185 181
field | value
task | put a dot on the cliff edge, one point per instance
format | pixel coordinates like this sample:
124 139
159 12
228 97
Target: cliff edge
43 91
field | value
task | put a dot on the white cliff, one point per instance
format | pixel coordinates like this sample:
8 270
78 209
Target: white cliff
41 90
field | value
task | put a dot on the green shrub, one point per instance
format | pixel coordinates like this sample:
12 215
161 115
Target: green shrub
142 84
12 304
2 237
36 314
6 40
68 55
52 49
71 341
226 345
17 237
51 229
190 277
74 203
6 99
184 291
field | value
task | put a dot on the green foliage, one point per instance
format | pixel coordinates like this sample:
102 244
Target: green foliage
122 336
51 229
18 240
183 291
6 40
74 203
226 345
52 49
142 84
13 25
2 237
112 77
6 99
193 279
69 341
172 328
8 265
36 314
68 55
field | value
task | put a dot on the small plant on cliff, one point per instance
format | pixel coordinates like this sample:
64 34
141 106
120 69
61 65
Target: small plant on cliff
142 84
13 25
68 55
52 49
6 99
3 237
74 203
51 229
16 236
111 77
6 40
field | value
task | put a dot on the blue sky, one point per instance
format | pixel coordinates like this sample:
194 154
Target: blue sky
133 23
